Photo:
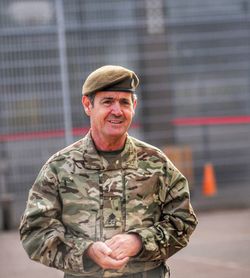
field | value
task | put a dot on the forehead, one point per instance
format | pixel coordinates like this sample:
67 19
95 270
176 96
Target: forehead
113 94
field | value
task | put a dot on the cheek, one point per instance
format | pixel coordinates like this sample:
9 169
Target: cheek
95 120
130 114
98 115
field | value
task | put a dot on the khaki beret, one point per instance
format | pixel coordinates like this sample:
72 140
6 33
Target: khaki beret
110 78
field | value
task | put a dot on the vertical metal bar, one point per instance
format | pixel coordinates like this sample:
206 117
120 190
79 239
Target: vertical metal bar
64 72
3 168
155 39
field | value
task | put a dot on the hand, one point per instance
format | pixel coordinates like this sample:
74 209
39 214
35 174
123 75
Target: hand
124 245
100 253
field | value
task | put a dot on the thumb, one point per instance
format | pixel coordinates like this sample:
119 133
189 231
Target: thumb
105 249
124 261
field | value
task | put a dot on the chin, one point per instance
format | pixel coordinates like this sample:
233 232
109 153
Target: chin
116 133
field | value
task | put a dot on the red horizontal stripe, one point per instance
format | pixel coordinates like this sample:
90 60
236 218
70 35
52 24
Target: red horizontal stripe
198 121
40 134
45 134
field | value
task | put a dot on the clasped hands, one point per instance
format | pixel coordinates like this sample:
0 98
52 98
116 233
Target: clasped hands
114 253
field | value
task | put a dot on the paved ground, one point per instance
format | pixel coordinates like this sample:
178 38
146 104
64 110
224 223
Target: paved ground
219 248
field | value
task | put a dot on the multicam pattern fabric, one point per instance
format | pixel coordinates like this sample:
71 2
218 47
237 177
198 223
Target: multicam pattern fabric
79 198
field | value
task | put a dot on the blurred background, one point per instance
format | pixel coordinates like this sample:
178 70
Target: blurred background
193 61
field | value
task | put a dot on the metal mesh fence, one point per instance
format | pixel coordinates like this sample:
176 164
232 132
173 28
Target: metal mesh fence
192 57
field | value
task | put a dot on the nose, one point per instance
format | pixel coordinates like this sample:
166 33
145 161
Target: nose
116 109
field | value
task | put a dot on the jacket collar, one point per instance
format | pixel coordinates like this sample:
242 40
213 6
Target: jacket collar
93 161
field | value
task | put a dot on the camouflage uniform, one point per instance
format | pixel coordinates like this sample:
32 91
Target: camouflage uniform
79 198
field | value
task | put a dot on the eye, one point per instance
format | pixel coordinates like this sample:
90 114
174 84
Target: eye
107 102
125 102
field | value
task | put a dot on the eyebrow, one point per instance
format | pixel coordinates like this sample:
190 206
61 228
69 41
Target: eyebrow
112 98
107 98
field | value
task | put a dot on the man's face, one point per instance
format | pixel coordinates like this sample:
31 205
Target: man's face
111 114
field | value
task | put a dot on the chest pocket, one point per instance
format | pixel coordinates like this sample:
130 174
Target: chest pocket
112 198
112 212
81 204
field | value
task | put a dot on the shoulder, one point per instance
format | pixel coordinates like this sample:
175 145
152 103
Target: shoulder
75 150
146 149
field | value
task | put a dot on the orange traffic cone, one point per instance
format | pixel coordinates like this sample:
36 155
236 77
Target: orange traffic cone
209 187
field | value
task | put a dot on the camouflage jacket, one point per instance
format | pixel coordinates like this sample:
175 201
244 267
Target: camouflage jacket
79 198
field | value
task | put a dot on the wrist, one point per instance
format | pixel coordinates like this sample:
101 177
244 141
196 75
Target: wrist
137 242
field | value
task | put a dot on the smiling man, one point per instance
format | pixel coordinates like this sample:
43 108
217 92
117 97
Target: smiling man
108 205
110 115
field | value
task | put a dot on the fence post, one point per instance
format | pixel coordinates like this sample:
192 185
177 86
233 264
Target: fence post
64 71
6 200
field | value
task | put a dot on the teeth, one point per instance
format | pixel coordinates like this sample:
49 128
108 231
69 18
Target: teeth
115 122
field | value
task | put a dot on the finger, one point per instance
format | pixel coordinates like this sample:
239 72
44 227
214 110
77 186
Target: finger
106 250
115 238
110 242
113 247
120 256
118 253
103 248
124 261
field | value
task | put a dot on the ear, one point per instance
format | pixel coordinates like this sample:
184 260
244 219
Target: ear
134 105
86 105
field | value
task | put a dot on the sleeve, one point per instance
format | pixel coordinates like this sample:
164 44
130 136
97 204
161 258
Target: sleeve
42 232
177 221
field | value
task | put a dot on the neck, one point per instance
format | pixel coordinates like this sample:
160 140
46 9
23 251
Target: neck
110 144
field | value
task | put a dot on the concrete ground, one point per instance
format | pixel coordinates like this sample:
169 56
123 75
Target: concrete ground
220 247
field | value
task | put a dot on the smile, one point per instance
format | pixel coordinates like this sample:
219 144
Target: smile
115 121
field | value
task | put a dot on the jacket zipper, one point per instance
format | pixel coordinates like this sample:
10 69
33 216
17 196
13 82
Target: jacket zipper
123 204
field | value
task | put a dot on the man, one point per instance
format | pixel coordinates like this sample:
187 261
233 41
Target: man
108 205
